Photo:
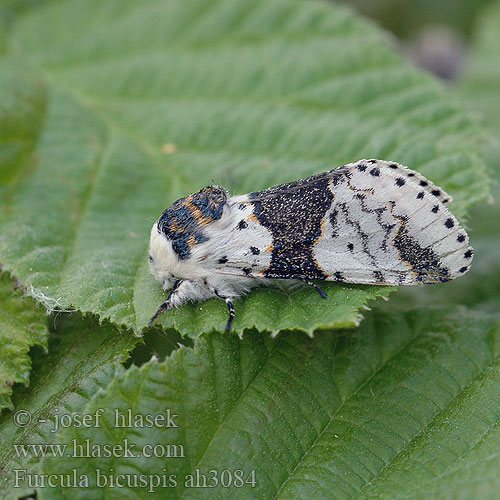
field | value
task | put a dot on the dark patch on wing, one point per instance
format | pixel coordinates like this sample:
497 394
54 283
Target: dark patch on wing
293 214
223 259
254 250
422 260
334 222
182 223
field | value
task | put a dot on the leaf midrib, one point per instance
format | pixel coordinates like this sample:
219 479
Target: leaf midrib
340 407
475 378
241 395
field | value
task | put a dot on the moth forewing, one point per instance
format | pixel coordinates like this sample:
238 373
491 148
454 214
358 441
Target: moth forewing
372 222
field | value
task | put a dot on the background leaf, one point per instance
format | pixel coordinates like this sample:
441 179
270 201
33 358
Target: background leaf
480 84
82 358
405 403
405 17
22 325
143 104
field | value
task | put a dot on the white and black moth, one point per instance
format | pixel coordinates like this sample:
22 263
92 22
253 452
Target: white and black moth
371 221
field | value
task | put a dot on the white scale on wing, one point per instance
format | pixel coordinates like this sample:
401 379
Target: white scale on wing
249 247
390 220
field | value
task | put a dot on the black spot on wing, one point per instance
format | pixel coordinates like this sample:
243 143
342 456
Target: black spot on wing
461 238
242 224
223 259
254 250
246 271
420 195
469 253
449 223
375 172
435 209
400 182
350 247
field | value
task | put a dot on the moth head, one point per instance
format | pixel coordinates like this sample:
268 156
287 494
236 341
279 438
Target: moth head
181 227
162 258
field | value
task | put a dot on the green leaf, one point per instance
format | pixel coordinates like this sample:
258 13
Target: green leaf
82 358
148 102
405 18
480 84
481 74
405 403
22 325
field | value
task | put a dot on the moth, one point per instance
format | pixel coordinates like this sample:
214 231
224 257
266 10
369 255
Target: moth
371 221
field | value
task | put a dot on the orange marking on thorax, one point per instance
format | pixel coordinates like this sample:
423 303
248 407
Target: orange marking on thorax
200 218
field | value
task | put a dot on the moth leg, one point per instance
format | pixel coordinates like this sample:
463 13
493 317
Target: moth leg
230 308
316 287
166 304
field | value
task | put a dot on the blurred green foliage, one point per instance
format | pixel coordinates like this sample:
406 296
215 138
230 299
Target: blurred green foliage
406 17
